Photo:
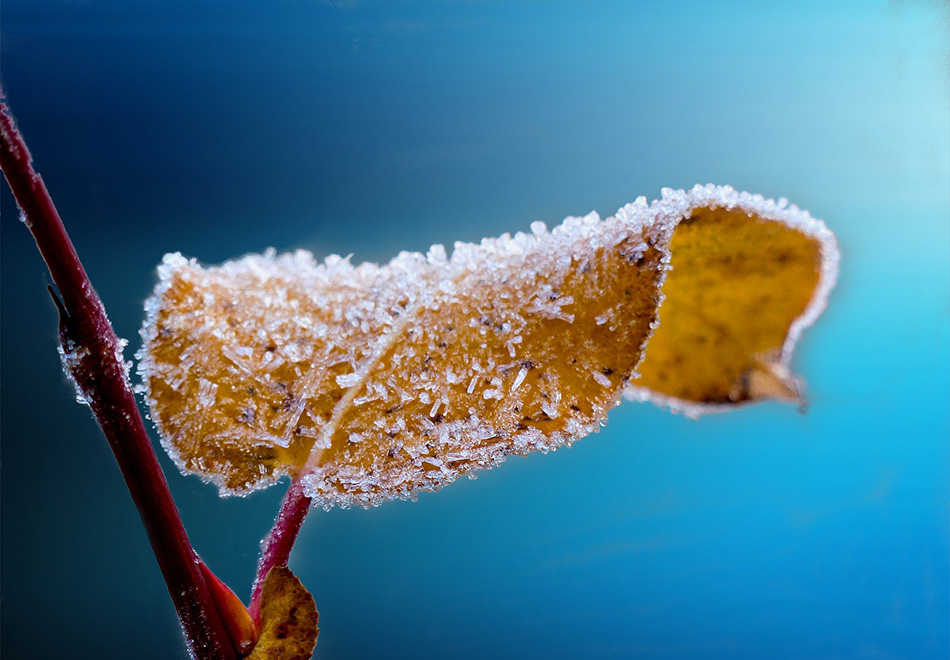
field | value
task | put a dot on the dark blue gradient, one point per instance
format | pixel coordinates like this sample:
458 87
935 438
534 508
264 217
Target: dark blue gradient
221 128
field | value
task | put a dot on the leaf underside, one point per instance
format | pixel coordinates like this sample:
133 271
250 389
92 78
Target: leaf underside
736 286
374 382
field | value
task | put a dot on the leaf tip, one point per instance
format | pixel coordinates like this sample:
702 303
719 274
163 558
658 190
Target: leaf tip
769 379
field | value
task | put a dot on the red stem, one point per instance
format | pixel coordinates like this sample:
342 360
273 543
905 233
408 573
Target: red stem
94 359
276 546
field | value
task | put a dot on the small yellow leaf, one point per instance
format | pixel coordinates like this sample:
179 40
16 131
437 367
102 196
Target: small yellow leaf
288 619
375 382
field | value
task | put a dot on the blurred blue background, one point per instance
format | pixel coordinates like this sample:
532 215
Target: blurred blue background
221 128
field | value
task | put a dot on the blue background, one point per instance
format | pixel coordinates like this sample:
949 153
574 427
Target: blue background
220 128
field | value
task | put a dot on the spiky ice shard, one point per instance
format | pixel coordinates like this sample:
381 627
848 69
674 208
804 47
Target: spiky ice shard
373 382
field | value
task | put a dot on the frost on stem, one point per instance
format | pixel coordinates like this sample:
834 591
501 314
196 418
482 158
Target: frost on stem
374 382
79 363
72 357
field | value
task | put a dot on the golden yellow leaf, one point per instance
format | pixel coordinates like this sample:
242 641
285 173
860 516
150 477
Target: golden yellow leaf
741 289
374 382
288 619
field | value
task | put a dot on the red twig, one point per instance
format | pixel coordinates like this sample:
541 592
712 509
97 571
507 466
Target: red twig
276 546
92 354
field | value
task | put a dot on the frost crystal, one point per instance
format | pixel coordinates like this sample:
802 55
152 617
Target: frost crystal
71 357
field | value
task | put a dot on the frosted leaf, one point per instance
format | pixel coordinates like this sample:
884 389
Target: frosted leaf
373 382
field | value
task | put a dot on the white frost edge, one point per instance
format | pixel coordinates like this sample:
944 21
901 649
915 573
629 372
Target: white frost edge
675 206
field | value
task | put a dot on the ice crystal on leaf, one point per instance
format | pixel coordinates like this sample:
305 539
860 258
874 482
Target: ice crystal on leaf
373 382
